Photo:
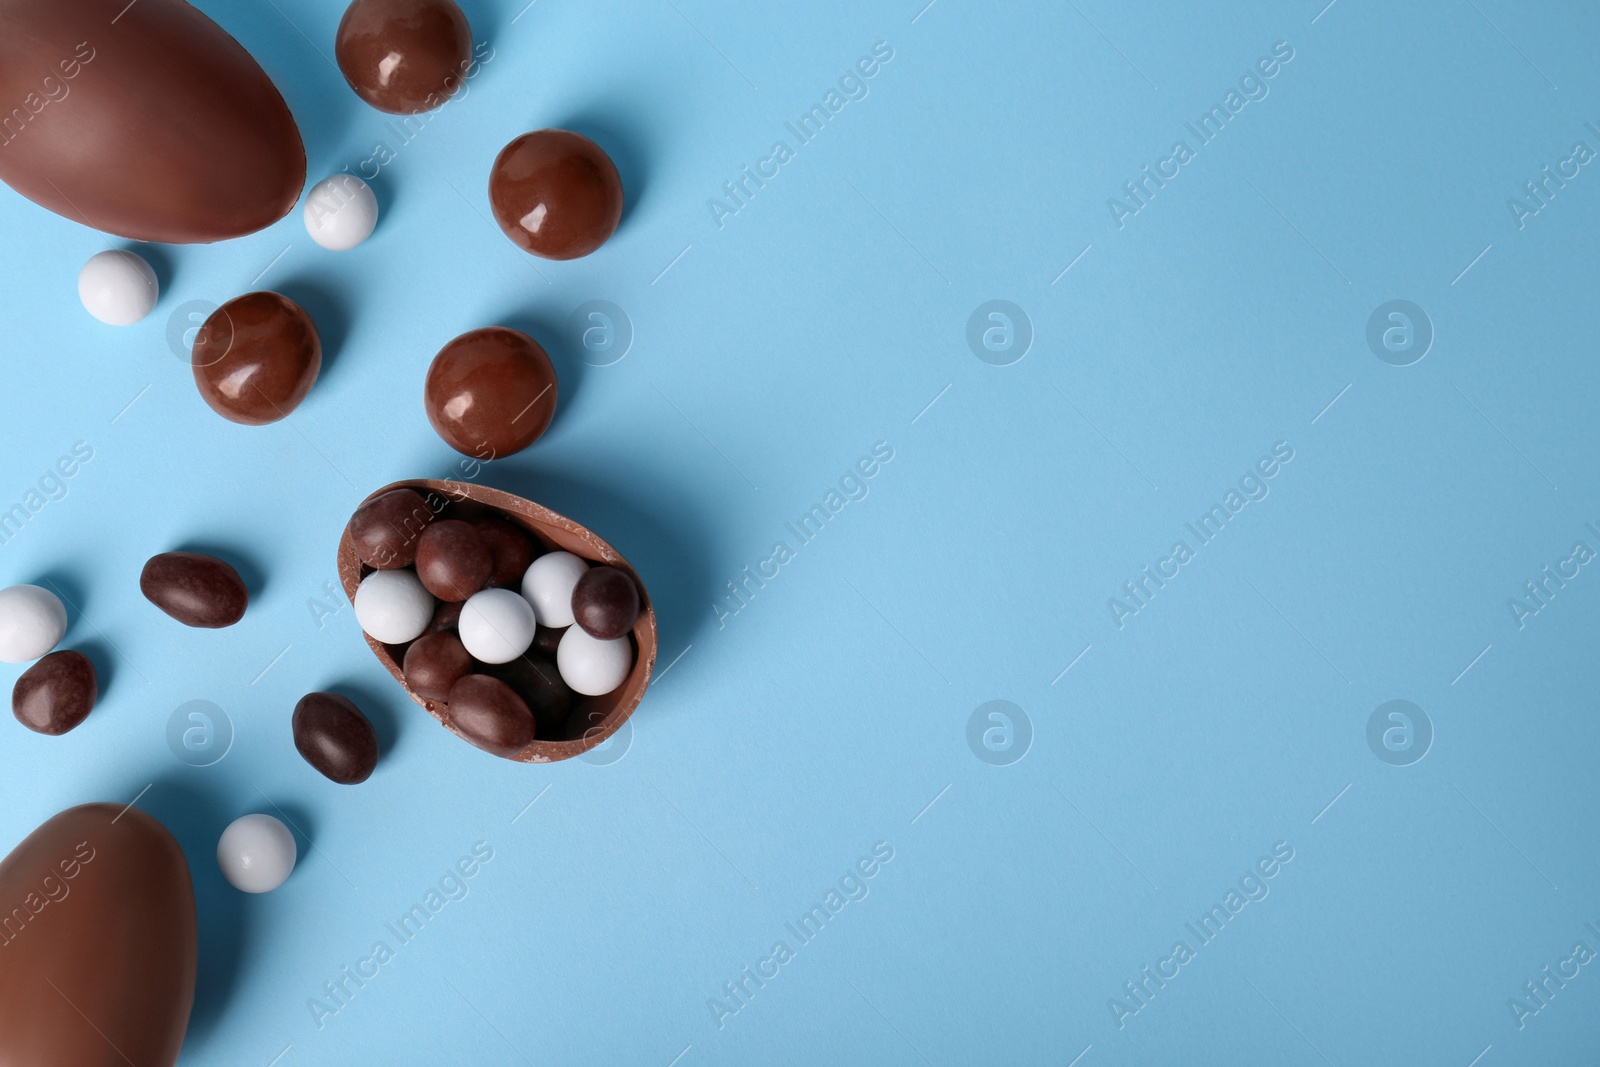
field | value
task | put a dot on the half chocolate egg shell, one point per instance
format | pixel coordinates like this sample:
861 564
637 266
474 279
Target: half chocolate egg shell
592 719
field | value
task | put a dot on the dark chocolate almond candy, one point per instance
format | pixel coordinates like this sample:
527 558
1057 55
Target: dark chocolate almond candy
195 589
453 559
488 713
55 694
98 943
148 121
536 680
334 737
434 663
386 528
511 551
547 531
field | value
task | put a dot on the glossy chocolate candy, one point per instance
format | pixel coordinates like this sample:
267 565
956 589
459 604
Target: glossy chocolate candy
487 712
148 122
490 392
98 950
556 194
256 358
55 694
453 560
195 589
334 737
404 56
434 662
385 529
605 602
511 550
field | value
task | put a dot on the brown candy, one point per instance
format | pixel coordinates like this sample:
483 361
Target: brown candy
256 358
446 617
490 392
195 589
404 56
385 529
334 737
511 551
55 694
453 561
488 713
536 680
434 663
98 949
605 602
547 639
148 122
556 194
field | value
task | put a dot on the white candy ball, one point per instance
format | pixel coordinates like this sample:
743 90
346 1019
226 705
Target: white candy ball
590 665
496 625
256 853
32 622
341 212
117 287
547 585
392 606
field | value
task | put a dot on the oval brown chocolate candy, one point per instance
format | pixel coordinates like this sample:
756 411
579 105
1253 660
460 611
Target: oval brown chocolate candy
434 663
536 680
605 602
490 392
385 529
256 358
556 194
148 121
334 737
489 713
510 548
195 589
56 693
404 56
453 560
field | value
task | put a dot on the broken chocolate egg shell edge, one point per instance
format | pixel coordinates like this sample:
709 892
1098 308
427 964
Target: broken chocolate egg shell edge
548 527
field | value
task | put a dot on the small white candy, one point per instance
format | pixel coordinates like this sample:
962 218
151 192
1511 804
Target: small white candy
256 853
341 212
32 622
496 625
117 287
392 606
547 585
590 665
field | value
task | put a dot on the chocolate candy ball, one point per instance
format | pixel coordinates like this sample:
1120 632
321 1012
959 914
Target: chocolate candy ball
404 56
385 529
453 560
490 392
55 694
511 549
256 358
556 194
446 617
434 663
488 713
605 602
547 639
195 589
334 737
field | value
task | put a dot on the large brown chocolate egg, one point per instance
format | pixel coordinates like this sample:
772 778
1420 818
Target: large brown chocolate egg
98 942
556 194
404 56
256 358
490 392
147 121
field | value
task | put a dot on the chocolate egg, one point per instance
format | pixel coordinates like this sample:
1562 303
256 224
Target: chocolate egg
97 942
404 56
490 392
256 358
149 122
556 194
558 735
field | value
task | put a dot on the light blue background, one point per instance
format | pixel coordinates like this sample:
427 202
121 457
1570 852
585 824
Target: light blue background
827 714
